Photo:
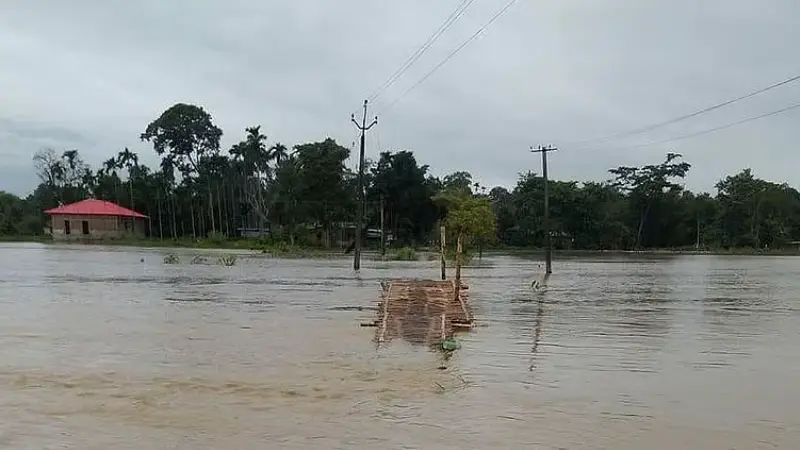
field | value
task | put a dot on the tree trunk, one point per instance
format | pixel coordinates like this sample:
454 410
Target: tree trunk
697 239
243 199
219 212
754 227
160 227
130 186
203 221
183 222
191 213
211 209
174 225
642 220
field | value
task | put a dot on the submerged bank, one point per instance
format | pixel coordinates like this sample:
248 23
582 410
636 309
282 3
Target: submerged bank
285 249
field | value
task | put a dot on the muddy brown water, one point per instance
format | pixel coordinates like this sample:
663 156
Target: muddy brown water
105 348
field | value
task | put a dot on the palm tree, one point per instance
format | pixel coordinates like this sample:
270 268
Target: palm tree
110 167
278 152
252 159
287 193
130 161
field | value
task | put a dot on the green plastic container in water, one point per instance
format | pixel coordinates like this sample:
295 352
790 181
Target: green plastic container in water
450 344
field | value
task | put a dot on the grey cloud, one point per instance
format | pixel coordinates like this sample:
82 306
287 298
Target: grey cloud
43 133
547 72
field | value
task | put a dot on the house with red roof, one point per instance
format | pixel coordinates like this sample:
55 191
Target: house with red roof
95 219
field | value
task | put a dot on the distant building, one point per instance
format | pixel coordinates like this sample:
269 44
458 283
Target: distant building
95 219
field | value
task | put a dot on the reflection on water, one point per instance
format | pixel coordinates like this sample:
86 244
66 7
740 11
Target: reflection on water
100 350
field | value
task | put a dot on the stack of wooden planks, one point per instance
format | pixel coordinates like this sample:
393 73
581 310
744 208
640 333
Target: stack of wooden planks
424 312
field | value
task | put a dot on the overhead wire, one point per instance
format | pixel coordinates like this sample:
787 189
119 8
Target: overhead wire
718 128
654 126
448 22
452 53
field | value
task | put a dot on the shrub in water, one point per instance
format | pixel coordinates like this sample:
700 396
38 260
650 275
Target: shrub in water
227 260
171 259
404 254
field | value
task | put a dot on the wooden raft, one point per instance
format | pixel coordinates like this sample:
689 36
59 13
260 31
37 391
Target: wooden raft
421 311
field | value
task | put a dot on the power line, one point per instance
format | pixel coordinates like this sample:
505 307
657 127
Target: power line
449 21
646 128
453 53
721 127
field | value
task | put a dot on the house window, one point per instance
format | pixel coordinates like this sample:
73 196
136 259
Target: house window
85 226
66 227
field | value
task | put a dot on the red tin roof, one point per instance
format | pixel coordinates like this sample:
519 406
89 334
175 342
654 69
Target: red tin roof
94 207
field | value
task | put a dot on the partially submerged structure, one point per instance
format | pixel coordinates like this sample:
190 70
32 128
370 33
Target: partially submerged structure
423 312
95 219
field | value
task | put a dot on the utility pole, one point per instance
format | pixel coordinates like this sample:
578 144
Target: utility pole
360 215
383 230
548 253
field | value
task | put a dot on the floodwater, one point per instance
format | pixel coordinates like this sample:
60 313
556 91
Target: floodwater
109 348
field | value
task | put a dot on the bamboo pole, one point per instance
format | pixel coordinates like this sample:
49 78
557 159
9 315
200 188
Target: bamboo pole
443 259
457 284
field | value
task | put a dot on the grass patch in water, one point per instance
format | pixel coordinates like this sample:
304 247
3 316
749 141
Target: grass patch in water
227 260
403 254
172 259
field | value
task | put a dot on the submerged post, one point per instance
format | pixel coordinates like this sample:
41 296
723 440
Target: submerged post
548 253
383 230
457 283
360 211
442 258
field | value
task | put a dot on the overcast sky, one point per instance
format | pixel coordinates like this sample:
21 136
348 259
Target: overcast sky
92 74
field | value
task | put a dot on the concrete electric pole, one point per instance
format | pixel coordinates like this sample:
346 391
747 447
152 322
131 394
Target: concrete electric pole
548 253
360 214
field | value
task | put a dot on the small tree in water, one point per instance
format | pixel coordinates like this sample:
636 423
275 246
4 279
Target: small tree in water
468 215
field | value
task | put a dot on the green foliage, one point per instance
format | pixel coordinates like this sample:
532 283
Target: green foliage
757 213
323 183
19 216
171 259
216 237
227 260
458 182
199 259
403 254
185 133
252 152
410 214
648 185
200 197
469 215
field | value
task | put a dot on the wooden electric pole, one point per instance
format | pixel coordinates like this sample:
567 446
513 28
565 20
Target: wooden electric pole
383 229
360 214
548 252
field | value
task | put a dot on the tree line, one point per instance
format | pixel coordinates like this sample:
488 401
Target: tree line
307 195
